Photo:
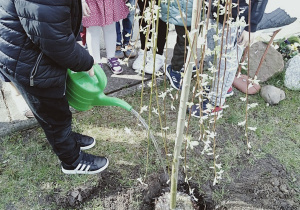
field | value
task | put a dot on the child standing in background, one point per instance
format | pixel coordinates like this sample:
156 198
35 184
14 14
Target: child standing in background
127 24
138 64
103 14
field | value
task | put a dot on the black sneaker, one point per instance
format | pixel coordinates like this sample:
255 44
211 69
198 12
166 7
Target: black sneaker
86 164
85 142
195 68
174 77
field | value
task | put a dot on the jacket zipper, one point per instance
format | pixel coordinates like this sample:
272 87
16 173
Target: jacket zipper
65 84
34 70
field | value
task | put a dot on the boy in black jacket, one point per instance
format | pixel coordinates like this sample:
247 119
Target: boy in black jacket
37 46
232 42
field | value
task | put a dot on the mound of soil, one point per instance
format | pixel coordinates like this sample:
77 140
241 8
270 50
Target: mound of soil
264 184
113 196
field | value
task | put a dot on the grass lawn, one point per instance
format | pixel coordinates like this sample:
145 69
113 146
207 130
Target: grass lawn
31 178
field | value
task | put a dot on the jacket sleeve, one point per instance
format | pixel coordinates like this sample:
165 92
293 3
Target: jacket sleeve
49 25
258 8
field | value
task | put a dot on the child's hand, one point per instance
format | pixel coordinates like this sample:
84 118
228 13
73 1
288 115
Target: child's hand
91 72
85 9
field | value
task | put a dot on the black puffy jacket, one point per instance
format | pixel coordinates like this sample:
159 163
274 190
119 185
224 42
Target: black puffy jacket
38 43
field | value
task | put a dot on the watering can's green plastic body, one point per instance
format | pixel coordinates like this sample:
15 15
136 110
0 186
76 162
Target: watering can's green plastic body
84 92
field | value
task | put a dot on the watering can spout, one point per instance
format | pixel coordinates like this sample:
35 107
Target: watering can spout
84 92
104 100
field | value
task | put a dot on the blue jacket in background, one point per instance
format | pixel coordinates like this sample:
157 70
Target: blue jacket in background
257 10
186 7
38 43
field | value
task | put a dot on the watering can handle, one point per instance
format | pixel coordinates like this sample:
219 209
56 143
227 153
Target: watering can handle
100 75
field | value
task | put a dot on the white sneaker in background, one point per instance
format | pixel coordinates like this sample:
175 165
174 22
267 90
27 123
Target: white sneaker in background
139 61
159 62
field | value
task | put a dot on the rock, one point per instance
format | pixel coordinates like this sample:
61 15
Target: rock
281 195
272 95
275 182
283 188
292 74
75 193
272 64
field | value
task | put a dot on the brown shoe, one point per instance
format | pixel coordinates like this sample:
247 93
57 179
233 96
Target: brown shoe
130 51
119 53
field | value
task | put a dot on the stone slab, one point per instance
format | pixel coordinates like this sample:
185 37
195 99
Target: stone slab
15 104
4 116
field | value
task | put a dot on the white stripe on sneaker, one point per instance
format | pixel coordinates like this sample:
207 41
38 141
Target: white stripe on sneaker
84 169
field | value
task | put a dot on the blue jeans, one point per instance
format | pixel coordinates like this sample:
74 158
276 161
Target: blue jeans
228 64
127 27
55 117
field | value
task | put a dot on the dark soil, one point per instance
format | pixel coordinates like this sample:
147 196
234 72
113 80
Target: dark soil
115 197
264 184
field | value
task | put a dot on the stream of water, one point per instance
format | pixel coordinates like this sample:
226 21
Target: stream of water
135 113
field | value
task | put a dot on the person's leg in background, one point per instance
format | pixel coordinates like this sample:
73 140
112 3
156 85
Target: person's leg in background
173 71
180 49
110 37
226 68
119 53
161 37
128 30
160 58
93 42
141 59
142 5
161 34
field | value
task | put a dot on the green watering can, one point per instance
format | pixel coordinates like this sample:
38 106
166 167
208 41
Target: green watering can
84 92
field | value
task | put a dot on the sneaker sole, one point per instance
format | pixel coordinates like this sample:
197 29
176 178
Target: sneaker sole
151 72
136 68
229 94
130 55
86 172
89 146
119 72
170 80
